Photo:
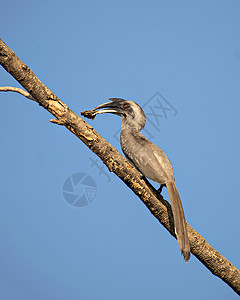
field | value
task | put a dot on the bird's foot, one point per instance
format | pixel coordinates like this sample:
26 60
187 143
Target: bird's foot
161 187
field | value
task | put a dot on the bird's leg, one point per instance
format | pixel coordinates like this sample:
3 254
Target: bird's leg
161 187
159 191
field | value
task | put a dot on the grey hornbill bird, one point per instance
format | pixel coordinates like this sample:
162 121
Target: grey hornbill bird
148 158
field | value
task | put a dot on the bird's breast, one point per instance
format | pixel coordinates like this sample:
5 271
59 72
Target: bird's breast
148 158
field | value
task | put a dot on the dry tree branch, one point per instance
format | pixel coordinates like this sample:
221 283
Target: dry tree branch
17 90
160 208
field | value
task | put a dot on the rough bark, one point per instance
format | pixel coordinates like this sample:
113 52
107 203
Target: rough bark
160 208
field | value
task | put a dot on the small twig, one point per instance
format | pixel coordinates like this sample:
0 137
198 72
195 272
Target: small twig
58 122
17 90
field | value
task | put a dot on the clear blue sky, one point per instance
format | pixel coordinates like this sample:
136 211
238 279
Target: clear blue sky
87 52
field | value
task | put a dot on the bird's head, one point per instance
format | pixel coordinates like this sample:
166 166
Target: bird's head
132 114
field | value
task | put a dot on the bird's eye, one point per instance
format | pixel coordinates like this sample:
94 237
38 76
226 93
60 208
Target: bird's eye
125 105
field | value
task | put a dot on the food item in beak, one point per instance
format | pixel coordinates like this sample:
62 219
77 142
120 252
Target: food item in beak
90 114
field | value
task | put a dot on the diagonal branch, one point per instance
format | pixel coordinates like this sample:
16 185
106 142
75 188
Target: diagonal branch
116 163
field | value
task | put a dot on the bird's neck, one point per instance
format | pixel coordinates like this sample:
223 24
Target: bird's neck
131 125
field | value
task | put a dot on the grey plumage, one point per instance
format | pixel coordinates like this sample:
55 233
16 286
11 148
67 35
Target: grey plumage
149 159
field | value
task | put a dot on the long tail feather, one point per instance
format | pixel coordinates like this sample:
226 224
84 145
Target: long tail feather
179 220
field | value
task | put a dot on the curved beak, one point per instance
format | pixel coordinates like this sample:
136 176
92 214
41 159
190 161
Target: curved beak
114 107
